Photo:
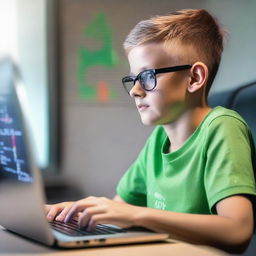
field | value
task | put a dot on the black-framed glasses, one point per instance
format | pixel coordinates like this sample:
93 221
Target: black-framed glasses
147 78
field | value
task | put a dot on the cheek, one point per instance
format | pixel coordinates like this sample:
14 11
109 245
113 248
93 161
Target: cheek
170 98
170 106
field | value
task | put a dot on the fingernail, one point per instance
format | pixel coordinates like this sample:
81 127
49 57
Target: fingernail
59 218
50 217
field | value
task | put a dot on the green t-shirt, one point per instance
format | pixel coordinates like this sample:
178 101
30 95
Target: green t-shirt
215 162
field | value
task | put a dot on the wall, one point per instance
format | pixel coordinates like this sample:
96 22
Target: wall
239 57
102 136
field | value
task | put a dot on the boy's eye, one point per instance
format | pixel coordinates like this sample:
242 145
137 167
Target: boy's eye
148 79
147 75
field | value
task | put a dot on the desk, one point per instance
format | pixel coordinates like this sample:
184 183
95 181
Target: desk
11 244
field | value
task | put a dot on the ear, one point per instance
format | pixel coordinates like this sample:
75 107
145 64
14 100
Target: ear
199 77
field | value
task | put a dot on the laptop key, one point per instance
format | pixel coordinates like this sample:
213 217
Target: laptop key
73 229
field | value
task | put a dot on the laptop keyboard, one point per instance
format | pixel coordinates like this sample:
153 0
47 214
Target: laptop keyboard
72 229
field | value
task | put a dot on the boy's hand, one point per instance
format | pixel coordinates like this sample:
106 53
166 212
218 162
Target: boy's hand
57 211
92 211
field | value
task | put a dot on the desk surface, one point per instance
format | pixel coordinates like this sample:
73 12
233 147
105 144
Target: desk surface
11 244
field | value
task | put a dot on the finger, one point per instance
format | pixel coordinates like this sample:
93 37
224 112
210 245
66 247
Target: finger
73 210
83 219
53 212
97 219
62 215
78 207
87 214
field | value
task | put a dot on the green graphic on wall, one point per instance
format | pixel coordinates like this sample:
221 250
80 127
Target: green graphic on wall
98 29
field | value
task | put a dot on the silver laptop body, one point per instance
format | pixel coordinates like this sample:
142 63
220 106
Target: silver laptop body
21 189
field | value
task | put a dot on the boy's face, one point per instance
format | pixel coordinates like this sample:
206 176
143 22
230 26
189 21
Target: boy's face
167 101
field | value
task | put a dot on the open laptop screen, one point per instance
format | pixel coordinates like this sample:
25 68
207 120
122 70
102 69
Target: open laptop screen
13 154
21 190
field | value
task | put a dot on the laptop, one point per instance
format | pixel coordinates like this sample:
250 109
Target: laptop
21 187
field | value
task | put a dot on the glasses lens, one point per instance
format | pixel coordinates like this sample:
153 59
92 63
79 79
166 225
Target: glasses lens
128 83
148 80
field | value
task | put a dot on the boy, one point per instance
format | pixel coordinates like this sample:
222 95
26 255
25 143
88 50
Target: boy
194 177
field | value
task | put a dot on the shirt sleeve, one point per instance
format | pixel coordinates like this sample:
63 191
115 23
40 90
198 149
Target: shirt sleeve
228 153
132 186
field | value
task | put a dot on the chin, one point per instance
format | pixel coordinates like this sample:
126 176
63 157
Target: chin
149 122
146 121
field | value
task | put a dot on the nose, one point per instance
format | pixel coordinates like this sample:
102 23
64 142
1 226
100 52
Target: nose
137 91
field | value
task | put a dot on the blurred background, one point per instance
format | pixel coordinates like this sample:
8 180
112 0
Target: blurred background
86 129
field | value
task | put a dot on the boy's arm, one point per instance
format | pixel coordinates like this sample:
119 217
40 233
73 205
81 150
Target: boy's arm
231 229
118 199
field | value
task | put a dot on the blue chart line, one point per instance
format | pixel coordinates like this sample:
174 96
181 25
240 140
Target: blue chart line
10 160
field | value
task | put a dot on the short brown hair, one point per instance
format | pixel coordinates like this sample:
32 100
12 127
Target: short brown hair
194 27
